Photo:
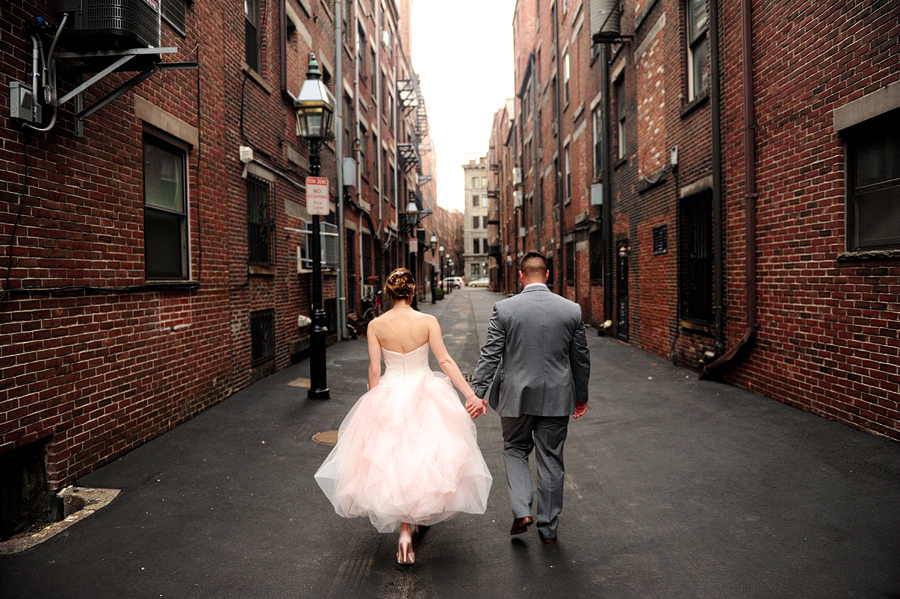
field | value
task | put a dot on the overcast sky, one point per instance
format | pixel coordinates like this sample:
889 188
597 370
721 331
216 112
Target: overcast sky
463 53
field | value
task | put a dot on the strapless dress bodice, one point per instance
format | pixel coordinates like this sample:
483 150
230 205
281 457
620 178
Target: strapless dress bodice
400 366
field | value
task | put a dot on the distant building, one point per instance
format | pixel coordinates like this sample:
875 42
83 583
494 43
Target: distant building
475 220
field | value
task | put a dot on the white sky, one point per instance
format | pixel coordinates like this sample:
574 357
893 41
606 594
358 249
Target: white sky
463 53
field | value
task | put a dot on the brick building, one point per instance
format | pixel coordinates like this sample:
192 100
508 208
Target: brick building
702 183
155 234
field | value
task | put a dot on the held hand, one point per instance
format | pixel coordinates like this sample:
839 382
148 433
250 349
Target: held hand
476 406
580 409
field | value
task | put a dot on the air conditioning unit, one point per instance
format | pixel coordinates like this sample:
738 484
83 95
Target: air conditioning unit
368 291
517 176
110 24
517 199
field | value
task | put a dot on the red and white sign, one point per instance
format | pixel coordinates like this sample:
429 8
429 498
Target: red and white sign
413 245
317 195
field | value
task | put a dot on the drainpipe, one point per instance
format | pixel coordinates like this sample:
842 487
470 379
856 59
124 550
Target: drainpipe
750 194
607 186
339 114
557 173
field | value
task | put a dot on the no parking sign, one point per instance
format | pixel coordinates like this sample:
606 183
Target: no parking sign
317 195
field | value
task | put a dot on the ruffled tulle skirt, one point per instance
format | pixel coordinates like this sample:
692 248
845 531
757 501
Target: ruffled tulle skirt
406 452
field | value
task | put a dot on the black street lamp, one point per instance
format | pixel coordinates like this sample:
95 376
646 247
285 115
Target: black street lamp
315 109
443 272
433 242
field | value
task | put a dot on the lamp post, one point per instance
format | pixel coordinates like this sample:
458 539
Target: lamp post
315 109
451 272
433 242
412 220
443 272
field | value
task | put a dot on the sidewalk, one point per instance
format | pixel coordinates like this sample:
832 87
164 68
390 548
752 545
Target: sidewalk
675 488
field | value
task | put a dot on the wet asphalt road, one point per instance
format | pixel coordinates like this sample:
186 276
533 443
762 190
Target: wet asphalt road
675 488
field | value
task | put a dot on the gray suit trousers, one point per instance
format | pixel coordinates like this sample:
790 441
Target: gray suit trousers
548 435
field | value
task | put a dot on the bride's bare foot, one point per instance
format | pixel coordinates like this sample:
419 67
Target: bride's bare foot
405 554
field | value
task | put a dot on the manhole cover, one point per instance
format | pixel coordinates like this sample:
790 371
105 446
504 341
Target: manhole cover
326 438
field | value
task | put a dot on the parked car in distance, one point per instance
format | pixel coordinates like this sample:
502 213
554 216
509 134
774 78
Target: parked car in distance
453 282
480 283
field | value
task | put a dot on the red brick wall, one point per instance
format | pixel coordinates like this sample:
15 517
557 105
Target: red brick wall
828 336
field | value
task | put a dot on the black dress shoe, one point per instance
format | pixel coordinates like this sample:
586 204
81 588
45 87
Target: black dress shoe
521 525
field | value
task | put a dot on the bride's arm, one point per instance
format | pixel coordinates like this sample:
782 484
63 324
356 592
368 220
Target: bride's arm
436 342
374 357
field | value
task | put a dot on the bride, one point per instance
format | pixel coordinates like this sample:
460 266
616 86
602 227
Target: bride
407 453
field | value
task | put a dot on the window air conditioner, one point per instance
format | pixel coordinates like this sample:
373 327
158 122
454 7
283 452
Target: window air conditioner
96 25
517 176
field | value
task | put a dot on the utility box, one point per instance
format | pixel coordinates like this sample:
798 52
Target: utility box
21 103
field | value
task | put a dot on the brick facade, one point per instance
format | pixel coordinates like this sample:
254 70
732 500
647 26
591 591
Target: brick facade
99 356
665 258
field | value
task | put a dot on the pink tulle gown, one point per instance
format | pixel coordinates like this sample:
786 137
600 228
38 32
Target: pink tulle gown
407 451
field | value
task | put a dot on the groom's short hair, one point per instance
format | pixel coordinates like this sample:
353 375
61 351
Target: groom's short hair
533 264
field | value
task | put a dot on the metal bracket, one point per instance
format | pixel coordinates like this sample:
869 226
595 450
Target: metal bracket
119 59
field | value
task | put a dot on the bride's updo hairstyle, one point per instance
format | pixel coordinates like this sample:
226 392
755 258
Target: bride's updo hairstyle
400 285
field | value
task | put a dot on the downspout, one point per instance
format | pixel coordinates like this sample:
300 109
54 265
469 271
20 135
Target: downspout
339 114
534 154
558 174
750 194
607 186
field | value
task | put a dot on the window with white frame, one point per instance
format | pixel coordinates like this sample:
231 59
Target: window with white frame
698 48
598 140
252 38
873 183
165 211
619 89
566 75
568 181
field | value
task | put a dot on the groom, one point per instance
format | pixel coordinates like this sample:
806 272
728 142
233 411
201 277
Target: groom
537 339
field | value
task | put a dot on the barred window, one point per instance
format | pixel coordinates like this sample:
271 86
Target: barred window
695 257
262 336
660 239
259 223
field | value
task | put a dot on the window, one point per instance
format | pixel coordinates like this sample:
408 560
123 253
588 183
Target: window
173 12
165 211
474 181
596 258
475 221
568 182
475 200
361 51
262 336
697 26
259 223
873 177
348 121
570 261
363 148
566 78
695 257
598 141
484 182
350 236
476 246
660 240
484 222
252 38
619 87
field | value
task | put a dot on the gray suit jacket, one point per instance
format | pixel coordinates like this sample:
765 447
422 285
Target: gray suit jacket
540 338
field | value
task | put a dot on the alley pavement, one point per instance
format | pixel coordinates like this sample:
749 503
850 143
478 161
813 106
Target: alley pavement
675 488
